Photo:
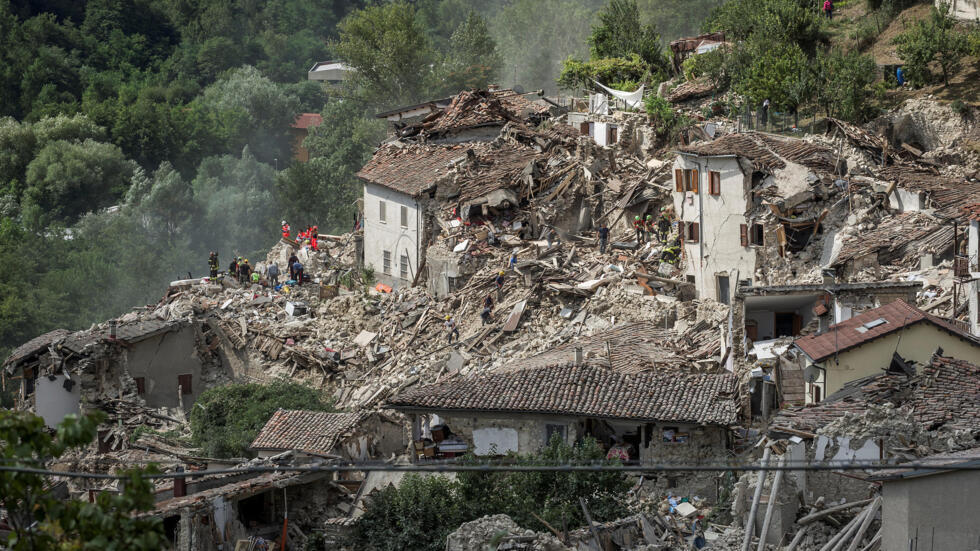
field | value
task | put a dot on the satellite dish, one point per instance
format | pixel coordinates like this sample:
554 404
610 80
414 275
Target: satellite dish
811 373
518 88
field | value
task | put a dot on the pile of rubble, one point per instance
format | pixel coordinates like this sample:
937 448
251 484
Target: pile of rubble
500 533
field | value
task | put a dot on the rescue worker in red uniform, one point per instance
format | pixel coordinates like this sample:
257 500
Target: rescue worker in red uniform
285 230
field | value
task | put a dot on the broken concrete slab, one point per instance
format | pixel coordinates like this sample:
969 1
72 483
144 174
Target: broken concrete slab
515 317
364 338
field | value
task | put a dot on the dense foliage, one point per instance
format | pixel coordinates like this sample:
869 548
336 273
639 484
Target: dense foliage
225 420
41 521
422 511
932 40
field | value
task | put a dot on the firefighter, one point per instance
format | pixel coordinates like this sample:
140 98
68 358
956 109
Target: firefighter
213 264
649 227
638 228
663 225
672 254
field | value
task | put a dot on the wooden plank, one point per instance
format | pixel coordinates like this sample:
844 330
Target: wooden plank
515 317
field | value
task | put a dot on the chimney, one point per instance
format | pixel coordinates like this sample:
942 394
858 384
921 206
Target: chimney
579 356
180 484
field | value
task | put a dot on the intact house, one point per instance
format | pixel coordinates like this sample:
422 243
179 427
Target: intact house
867 343
972 267
161 363
648 417
721 189
353 436
891 415
300 130
910 495
766 320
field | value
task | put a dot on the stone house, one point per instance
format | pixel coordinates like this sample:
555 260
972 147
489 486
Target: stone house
743 197
161 363
657 417
354 436
867 343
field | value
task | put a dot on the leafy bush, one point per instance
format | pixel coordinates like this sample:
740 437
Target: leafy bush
577 74
226 419
661 113
421 512
960 107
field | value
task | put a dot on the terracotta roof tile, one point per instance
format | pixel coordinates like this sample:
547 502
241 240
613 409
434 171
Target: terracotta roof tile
972 211
307 431
307 120
945 393
918 233
35 346
584 390
410 169
845 335
766 151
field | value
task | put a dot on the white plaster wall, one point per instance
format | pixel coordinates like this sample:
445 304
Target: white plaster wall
530 430
390 235
599 132
905 201
52 402
968 10
723 215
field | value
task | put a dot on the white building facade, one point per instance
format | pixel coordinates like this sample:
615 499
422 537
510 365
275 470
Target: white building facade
392 227
973 287
718 242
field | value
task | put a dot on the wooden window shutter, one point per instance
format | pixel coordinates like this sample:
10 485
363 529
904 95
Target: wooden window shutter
694 181
678 180
185 384
743 234
140 385
714 183
695 232
583 128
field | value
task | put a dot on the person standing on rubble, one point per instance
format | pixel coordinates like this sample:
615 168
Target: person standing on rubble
289 264
499 282
314 234
487 309
451 328
638 228
512 263
213 265
298 272
273 272
672 254
285 230
244 272
649 226
603 238
663 225
233 268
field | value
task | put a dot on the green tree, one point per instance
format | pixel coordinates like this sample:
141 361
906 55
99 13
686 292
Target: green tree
389 52
67 179
76 128
17 146
472 60
777 71
42 522
615 72
225 420
934 39
784 21
844 84
418 514
619 33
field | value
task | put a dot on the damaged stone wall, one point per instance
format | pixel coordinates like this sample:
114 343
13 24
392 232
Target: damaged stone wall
531 431
704 445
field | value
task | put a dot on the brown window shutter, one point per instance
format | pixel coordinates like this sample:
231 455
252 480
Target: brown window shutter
694 181
695 232
678 180
715 183
140 385
185 384
743 233
583 128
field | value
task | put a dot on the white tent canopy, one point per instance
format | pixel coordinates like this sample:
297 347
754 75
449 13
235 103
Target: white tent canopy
633 100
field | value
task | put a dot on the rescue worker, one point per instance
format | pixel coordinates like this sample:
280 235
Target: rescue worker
244 271
638 228
487 309
603 238
256 277
451 328
298 272
213 264
512 263
671 254
233 268
285 230
648 226
314 234
499 281
663 225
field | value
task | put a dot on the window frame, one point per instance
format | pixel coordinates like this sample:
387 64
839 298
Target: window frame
382 211
386 262
714 182
403 216
403 266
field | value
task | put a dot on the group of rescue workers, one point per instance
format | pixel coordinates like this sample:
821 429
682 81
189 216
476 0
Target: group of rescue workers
648 227
308 236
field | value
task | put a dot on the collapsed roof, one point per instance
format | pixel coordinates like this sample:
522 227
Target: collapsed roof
766 152
316 432
945 393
